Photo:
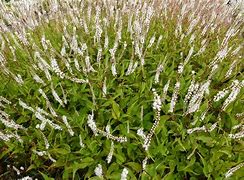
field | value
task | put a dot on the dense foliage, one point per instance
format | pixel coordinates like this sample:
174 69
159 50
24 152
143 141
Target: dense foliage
121 90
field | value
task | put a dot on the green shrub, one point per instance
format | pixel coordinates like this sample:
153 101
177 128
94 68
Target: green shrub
119 89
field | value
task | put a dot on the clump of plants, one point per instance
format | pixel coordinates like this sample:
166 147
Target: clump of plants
121 90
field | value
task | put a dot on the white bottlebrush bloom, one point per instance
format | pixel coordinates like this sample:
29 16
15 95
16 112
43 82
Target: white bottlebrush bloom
44 43
38 79
174 97
238 135
56 96
238 126
111 152
107 129
232 66
3 99
189 55
25 106
4 118
104 89
76 80
45 121
18 79
180 68
50 157
157 103
213 127
140 133
159 40
232 170
99 171
220 95
89 67
26 178
196 99
106 41
144 164
132 67
77 66
74 43
64 94
192 38
151 41
47 145
192 88
113 69
99 54
240 114
190 131
82 145
56 69
158 71
233 94
4 137
40 153
165 90
203 115
63 51
7 137
91 123
48 75
124 174
71 132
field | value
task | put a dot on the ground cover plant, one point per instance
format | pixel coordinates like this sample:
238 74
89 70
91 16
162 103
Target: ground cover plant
121 90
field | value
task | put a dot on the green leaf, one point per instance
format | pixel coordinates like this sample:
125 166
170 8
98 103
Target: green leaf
135 166
116 110
46 177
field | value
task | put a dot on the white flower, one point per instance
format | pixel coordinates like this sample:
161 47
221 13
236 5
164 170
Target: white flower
82 145
174 97
113 69
56 69
26 178
99 54
77 66
110 155
124 174
180 68
47 145
71 132
232 170
236 88
190 131
189 55
104 89
56 97
157 103
158 71
237 135
89 67
140 133
38 79
144 163
91 123
99 171
220 95
151 41
165 90
19 79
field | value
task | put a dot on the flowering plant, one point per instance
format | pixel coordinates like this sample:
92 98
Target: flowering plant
121 90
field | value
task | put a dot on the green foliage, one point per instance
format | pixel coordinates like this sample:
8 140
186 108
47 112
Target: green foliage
126 107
